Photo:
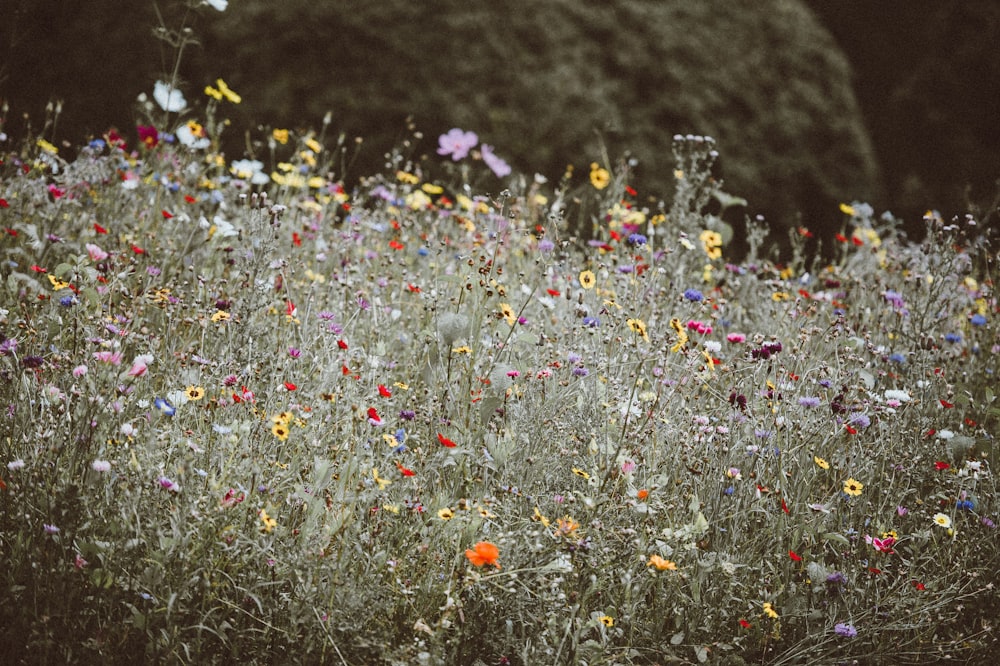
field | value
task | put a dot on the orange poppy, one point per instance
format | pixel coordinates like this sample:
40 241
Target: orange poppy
482 553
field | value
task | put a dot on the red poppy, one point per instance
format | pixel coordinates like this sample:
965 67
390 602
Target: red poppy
941 465
445 441
166 214
188 198
784 507
99 229
342 345
384 392
404 471
483 553
946 404
745 624
290 386
795 556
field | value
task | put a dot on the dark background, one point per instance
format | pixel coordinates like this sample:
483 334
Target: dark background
918 126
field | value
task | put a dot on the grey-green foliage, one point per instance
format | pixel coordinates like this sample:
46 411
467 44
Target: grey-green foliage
546 83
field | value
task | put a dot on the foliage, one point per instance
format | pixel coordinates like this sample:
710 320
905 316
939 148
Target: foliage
254 413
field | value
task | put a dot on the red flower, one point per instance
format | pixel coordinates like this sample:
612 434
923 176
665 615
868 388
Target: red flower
342 345
188 198
290 386
344 370
404 471
384 392
795 556
395 245
941 465
166 214
445 441
850 429
784 507
373 415
946 404
99 229
920 586
138 250
482 553
744 623
4 204
414 289
553 292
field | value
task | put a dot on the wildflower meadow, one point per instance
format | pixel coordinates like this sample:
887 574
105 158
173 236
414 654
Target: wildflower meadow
254 411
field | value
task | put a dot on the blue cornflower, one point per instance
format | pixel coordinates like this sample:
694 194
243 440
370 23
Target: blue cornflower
164 406
591 322
580 372
694 295
423 252
978 320
636 239
861 420
896 357
967 505
67 301
953 337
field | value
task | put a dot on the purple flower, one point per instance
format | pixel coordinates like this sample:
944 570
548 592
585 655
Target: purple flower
844 629
580 372
860 420
809 401
693 295
50 529
496 165
456 143
167 484
636 239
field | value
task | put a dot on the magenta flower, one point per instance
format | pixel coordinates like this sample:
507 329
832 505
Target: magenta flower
457 143
496 165
140 365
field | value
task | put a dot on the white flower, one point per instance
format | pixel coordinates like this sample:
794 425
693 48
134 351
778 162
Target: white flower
252 170
945 434
100 465
901 396
169 98
14 465
218 4
188 138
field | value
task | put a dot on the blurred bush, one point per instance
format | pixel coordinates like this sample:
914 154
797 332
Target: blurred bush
546 83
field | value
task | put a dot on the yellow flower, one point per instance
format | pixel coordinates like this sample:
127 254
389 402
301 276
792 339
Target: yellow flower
852 487
46 146
682 336
581 473
587 279
711 242
942 520
284 418
194 393
847 209
508 313
227 92
431 188
661 564
391 508
269 522
382 483
769 610
57 284
607 620
464 349
213 93
314 145
599 177
407 177
779 296
220 315
446 514
280 135
540 518
638 327
822 464
280 430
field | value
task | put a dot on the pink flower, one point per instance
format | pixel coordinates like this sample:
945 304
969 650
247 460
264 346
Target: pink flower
456 143
736 338
106 356
496 165
95 252
140 365
79 371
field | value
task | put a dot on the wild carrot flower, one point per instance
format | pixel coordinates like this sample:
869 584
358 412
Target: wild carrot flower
483 553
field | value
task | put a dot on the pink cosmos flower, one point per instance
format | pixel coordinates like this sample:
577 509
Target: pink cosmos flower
106 356
496 165
456 143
